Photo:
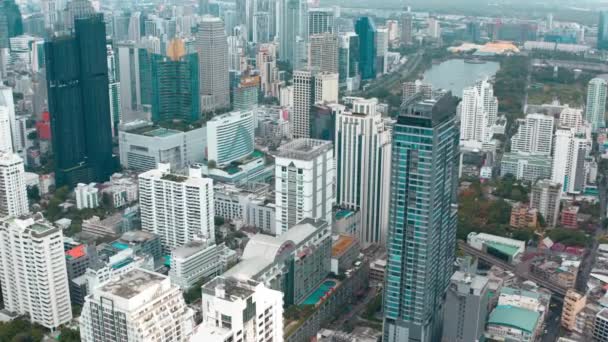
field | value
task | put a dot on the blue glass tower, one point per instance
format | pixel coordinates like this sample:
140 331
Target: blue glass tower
366 30
602 31
422 221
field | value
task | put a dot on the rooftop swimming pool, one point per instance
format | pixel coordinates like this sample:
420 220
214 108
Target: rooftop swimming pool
316 296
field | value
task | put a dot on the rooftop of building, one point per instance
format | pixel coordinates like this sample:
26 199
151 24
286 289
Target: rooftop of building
304 149
230 288
136 236
189 249
603 314
519 292
76 252
132 283
514 317
341 245
475 281
418 110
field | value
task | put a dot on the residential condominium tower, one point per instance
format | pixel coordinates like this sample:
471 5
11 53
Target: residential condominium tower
177 208
304 182
478 112
33 271
422 219
534 135
595 111
363 158
13 191
570 152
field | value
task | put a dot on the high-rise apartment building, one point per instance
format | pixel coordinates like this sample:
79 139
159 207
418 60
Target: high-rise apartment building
363 158
11 22
292 28
304 183
570 152
366 30
545 197
177 208
113 90
478 112
602 31
7 102
466 308
78 83
595 111
139 306
534 135
323 52
348 57
33 272
13 193
310 87
6 141
407 20
422 219
76 9
321 20
240 310
212 48
230 137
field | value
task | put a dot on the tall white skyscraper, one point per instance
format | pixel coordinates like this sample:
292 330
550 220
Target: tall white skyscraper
33 272
212 48
310 87
323 52
569 160
142 306
177 208
304 182
6 141
363 150
534 135
595 112
321 20
6 101
235 310
13 192
572 118
478 112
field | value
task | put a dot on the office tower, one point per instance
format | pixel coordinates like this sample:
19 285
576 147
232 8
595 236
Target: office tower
76 9
52 11
422 219
135 75
363 157
175 87
246 95
321 20
33 273
177 208
433 29
266 62
407 20
392 26
366 30
466 308
323 52
291 20
474 31
595 111
534 135
304 183
381 50
261 27
545 197
77 79
240 310
141 306
6 143
136 27
416 88
212 48
602 31
570 152
203 7
230 137
13 192
310 88
478 112
114 91
7 102
348 57
11 23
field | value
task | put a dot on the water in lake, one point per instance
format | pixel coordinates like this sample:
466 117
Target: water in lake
455 74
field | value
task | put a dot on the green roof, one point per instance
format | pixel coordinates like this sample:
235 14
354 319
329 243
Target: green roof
502 248
514 317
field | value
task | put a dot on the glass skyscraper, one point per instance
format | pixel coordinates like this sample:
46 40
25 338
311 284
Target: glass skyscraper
366 30
422 220
77 79
11 23
602 31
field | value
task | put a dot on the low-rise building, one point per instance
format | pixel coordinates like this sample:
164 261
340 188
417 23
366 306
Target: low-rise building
87 196
512 323
507 249
522 216
198 260
600 329
345 251
108 227
122 190
560 270
574 303
77 260
141 242
526 166
569 217
347 222
377 269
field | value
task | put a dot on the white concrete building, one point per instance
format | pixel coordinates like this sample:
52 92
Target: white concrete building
198 260
478 113
212 48
6 100
364 144
13 190
178 209
286 95
323 52
33 272
6 142
568 169
87 196
571 118
534 135
143 307
143 149
304 182
235 310
595 110
545 197
230 137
